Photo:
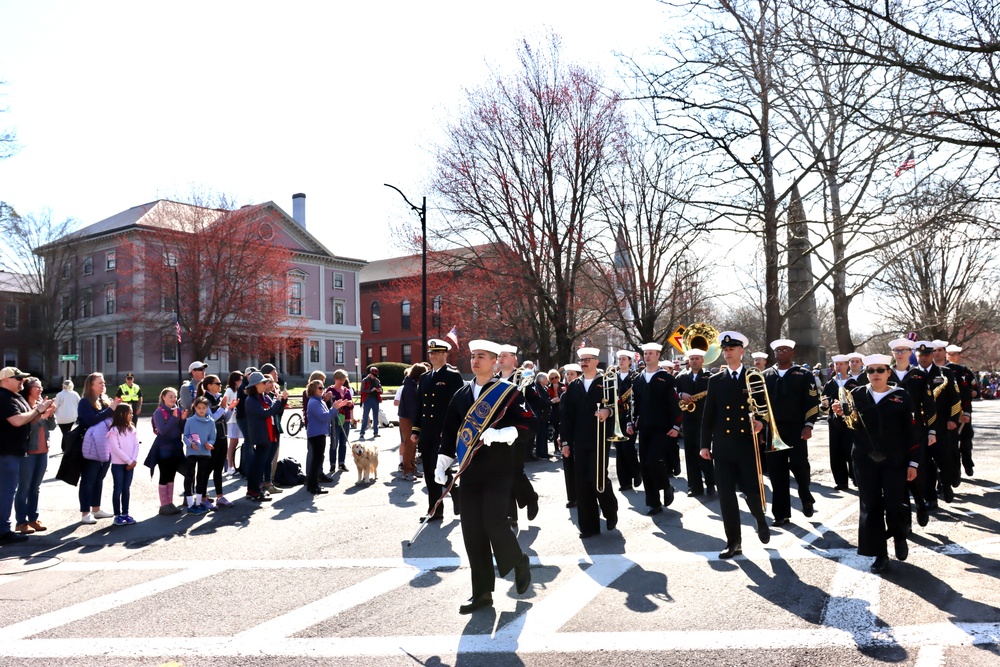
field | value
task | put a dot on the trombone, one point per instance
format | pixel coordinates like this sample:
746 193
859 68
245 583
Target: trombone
759 404
609 400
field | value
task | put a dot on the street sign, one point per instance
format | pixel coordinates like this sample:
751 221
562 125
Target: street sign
675 339
69 357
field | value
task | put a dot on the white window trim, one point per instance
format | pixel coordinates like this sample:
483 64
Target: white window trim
17 316
341 276
343 311
173 339
111 260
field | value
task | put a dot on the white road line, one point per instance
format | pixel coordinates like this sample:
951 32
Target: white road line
814 534
104 603
911 637
310 614
853 604
930 656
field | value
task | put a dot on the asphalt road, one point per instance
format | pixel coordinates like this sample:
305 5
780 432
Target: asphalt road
329 581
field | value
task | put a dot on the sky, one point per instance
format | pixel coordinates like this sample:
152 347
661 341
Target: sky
116 104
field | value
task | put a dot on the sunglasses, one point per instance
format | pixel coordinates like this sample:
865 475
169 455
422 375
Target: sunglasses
872 371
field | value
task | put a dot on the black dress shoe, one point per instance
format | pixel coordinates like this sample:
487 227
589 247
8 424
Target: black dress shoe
636 481
902 548
932 505
778 523
668 496
623 489
533 509
947 494
436 517
522 575
922 515
676 471
731 551
612 521
968 470
763 532
840 487
317 491
710 490
653 511
571 504
477 602
880 565
589 533
325 478
11 537
808 509
695 494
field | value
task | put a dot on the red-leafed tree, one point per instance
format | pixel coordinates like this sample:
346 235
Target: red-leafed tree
233 286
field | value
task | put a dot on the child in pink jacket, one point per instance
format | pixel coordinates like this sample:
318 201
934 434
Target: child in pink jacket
123 441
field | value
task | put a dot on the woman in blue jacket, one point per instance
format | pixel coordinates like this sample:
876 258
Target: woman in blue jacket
262 430
317 426
94 407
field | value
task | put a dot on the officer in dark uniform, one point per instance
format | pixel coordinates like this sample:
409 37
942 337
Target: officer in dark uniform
579 429
485 484
626 458
434 392
856 367
692 385
938 469
656 417
968 385
914 381
841 440
887 442
795 402
727 439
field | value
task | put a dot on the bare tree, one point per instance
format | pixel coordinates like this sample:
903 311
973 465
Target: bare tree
520 168
8 139
41 276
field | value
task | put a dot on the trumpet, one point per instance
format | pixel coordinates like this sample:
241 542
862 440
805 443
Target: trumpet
854 421
690 405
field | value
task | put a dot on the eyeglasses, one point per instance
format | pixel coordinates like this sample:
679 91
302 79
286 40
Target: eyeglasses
872 371
588 359
901 350
268 381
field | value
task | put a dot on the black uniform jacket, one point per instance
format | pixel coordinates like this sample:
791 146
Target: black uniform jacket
831 390
726 428
966 384
948 404
654 404
889 427
489 460
577 422
434 393
625 396
687 383
915 384
794 400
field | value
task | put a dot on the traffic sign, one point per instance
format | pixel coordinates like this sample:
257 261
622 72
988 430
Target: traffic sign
69 357
675 339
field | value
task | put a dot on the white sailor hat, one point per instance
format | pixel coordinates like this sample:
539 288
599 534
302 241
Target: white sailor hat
625 353
782 342
901 342
838 358
573 367
759 355
925 347
438 345
587 352
878 359
732 338
485 346
953 348
856 355
694 352
666 363
655 347
937 343
508 348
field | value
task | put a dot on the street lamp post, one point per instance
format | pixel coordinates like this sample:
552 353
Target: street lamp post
177 326
422 212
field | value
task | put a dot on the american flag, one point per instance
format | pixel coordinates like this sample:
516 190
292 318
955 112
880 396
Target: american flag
177 327
908 163
453 336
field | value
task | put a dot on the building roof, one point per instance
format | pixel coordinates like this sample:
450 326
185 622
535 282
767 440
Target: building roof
14 282
410 265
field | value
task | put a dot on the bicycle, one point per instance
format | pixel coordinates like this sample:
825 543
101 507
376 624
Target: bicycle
294 424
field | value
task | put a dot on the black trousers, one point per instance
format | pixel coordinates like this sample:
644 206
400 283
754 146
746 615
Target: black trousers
700 472
840 453
196 477
219 463
569 477
965 445
940 463
885 511
522 493
588 500
732 475
779 465
486 531
317 451
627 463
429 455
653 447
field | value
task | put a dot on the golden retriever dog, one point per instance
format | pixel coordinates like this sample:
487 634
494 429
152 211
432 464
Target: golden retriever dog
366 460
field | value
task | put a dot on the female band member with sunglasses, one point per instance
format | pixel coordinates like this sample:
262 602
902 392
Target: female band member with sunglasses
886 453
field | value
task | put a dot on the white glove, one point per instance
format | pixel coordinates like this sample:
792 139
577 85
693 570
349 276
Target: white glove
506 435
441 472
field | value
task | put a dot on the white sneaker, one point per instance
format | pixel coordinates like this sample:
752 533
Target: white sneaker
101 514
88 518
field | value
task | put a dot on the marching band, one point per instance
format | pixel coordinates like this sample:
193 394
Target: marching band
896 431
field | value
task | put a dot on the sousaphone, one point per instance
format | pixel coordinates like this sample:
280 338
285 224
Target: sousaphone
702 336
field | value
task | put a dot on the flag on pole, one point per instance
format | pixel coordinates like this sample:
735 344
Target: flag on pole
177 327
453 336
908 163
